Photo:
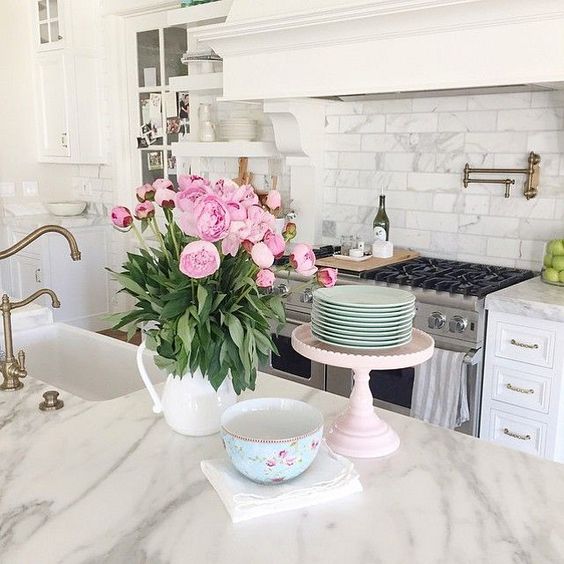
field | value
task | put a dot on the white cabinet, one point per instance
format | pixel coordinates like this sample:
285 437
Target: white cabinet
523 395
68 71
82 286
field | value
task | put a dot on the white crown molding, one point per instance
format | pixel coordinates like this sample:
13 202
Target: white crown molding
134 7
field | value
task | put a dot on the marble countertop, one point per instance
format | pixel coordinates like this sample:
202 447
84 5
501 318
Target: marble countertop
30 222
110 482
533 298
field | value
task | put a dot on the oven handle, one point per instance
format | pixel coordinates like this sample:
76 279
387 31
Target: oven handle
472 357
293 321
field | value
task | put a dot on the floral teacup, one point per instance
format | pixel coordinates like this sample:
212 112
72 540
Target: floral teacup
271 440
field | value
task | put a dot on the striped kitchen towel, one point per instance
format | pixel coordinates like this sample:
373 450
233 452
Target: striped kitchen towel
440 390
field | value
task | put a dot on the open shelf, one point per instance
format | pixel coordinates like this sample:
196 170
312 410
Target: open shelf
258 149
213 12
205 84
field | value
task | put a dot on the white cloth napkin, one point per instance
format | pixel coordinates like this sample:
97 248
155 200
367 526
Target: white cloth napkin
440 394
329 477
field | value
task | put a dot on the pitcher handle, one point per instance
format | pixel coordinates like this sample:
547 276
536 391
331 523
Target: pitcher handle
157 406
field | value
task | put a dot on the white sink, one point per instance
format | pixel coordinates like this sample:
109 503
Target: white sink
91 366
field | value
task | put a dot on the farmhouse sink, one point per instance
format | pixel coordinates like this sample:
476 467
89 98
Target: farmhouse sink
91 366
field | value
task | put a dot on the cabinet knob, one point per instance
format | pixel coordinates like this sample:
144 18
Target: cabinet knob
38 275
64 140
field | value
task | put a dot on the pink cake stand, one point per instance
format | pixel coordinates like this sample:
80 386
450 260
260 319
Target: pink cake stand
359 432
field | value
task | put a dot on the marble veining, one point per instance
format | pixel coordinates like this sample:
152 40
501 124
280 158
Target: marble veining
110 482
531 298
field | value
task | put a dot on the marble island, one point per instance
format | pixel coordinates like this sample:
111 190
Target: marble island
110 482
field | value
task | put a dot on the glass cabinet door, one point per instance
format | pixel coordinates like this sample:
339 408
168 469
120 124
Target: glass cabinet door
49 22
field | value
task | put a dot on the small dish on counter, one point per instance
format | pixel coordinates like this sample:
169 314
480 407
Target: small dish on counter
271 440
66 209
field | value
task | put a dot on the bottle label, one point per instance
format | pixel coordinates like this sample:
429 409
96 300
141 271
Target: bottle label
379 233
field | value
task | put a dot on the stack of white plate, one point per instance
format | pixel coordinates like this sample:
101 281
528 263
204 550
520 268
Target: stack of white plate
238 129
363 316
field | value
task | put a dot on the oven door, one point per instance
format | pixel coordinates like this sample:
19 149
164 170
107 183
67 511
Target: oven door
392 389
288 363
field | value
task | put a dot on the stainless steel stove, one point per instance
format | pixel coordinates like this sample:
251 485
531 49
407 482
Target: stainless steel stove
450 306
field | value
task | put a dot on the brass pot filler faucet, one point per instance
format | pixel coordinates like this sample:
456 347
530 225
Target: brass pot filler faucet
12 368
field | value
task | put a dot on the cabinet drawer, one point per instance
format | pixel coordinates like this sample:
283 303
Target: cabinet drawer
517 432
521 389
525 344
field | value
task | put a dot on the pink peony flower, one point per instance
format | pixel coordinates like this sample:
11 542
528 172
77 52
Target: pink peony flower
145 192
259 222
193 181
230 245
165 197
212 219
199 259
262 255
327 277
187 223
246 195
162 183
121 217
303 260
144 210
237 211
187 199
275 243
226 189
274 200
265 278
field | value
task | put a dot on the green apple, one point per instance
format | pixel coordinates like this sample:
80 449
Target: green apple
558 262
551 275
555 247
547 261
561 276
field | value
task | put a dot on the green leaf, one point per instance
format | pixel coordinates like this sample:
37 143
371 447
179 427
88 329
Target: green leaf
235 329
173 308
202 294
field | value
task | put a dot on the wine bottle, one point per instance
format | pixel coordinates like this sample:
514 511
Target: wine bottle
381 224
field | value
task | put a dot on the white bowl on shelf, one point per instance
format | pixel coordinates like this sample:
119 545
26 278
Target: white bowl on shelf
66 209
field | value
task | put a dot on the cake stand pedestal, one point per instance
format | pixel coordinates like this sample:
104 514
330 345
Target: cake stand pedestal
359 432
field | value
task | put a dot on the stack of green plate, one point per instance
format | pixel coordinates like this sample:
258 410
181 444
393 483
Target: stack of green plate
368 317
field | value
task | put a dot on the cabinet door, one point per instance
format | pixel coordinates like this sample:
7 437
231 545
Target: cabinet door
26 276
53 76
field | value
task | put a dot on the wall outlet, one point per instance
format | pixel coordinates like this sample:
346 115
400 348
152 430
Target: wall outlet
30 187
84 187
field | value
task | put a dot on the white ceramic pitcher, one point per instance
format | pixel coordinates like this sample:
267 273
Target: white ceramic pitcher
189 404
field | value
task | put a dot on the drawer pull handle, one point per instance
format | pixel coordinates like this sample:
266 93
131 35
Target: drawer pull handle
506 431
513 388
524 345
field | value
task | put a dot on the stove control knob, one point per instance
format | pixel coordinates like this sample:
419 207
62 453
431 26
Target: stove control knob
457 324
436 320
281 290
307 296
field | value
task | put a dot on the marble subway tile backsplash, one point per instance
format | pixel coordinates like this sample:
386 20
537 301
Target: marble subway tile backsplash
415 149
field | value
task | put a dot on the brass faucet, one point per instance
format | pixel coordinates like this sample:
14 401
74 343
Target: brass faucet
12 368
28 239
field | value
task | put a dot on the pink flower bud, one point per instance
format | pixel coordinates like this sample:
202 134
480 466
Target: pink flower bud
289 231
262 255
145 192
165 198
162 183
274 200
275 243
121 217
303 260
144 210
265 278
327 277
199 259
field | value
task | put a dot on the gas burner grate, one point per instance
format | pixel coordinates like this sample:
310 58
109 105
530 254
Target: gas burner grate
455 277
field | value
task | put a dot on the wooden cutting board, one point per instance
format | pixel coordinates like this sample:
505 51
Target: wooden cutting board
400 255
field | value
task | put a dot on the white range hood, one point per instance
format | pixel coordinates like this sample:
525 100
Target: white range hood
276 49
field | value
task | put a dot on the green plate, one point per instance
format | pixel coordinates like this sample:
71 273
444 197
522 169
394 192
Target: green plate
362 329
371 297
361 323
337 310
374 339
361 318
351 343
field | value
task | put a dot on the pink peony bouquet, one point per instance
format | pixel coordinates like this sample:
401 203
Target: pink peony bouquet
203 283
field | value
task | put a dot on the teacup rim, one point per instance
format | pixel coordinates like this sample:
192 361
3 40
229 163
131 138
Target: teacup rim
283 440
